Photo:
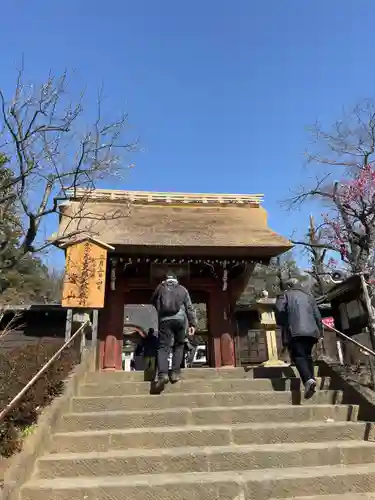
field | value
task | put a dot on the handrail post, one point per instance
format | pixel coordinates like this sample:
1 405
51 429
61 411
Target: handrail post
68 325
82 318
94 338
94 335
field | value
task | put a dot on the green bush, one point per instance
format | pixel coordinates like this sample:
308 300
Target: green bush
17 367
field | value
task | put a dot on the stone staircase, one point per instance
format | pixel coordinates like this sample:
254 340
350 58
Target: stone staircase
219 434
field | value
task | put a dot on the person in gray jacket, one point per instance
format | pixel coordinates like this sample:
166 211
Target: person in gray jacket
298 316
175 311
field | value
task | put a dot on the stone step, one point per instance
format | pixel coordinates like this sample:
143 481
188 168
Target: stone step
210 435
207 373
204 459
204 416
197 400
247 485
116 387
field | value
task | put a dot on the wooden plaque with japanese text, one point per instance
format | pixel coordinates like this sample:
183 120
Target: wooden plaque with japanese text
85 274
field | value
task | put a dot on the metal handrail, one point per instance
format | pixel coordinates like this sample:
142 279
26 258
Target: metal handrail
36 377
358 344
362 347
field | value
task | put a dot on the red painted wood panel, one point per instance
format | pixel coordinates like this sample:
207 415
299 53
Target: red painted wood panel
221 339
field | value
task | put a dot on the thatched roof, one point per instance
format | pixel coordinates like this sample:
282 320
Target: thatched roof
147 220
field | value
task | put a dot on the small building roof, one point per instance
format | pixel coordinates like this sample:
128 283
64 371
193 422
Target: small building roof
82 238
144 220
350 286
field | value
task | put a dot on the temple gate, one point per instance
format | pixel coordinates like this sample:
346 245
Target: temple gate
211 241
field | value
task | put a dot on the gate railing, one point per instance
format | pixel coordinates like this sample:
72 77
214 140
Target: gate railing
9 407
81 331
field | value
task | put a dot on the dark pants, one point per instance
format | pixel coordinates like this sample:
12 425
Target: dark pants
171 333
300 349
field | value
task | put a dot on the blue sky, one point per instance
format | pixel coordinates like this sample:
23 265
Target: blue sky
220 93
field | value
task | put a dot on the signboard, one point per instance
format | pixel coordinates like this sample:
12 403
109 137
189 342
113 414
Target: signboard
85 275
329 322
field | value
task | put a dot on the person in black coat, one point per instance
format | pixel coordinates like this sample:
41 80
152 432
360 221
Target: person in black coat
298 316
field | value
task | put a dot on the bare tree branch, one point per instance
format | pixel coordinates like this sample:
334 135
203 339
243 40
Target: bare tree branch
11 326
348 226
50 153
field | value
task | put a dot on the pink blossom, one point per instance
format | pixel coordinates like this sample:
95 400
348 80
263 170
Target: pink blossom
357 198
360 189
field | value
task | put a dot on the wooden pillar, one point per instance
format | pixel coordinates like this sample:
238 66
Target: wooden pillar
227 349
235 288
220 327
112 332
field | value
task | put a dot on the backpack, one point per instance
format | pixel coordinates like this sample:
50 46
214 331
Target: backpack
170 299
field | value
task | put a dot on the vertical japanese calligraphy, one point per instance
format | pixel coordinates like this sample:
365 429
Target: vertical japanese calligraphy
85 275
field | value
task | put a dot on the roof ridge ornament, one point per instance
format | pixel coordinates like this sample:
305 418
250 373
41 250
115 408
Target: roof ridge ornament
165 197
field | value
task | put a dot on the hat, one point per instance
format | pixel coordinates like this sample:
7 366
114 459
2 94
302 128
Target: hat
292 282
170 276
